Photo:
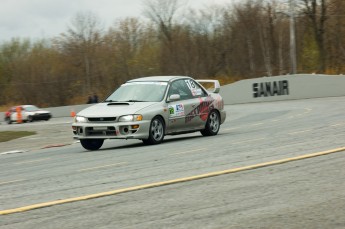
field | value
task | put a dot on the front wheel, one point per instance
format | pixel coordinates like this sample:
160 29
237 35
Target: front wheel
30 118
212 125
156 132
91 144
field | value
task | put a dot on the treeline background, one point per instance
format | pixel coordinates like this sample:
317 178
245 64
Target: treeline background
229 42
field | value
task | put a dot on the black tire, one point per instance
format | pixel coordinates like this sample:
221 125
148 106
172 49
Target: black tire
156 132
212 125
8 120
92 144
30 118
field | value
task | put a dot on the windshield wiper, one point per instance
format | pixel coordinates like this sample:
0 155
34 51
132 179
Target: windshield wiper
109 101
134 100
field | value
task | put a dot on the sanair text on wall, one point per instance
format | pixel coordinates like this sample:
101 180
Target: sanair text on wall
273 88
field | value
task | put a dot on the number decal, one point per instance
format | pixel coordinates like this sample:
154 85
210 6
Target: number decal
190 84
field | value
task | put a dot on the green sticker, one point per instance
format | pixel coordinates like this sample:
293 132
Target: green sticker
171 110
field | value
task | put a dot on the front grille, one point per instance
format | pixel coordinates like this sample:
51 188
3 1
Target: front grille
103 131
102 119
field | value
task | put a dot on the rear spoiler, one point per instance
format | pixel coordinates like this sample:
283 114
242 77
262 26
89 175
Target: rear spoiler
214 89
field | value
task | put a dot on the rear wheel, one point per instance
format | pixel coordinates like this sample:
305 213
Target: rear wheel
212 125
156 132
8 120
92 144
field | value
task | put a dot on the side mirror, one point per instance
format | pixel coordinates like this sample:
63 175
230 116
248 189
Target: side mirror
174 97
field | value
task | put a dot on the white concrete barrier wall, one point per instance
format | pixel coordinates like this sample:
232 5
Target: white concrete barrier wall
288 87
265 89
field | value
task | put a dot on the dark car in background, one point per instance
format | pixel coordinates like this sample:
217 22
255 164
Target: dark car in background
28 113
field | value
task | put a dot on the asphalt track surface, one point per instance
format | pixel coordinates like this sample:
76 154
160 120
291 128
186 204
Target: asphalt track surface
272 165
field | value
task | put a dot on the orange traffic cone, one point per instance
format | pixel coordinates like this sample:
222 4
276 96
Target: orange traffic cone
72 113
19 114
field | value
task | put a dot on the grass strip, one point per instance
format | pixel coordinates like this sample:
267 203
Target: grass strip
10 135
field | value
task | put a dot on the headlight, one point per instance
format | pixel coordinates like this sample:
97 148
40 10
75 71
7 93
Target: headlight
80 119
130 118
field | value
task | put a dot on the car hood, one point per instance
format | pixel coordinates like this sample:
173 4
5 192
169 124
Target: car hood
114 109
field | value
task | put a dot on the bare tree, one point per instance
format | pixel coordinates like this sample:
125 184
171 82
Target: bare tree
335 36
81 41
162 13
208 48
263 29
316 11
246 25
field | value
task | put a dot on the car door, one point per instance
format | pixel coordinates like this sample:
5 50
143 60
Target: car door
181 111
203 102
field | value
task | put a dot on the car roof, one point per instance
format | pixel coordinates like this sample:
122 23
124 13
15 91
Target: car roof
23 106
159 78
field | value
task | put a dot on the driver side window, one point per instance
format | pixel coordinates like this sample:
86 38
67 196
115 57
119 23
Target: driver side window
180 87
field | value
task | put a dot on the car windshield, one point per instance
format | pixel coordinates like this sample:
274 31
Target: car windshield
31 108
139 92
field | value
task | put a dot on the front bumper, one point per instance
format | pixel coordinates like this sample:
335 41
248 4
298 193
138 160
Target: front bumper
113 130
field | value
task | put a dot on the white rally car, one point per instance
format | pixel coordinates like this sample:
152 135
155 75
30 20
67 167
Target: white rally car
28 113
149 108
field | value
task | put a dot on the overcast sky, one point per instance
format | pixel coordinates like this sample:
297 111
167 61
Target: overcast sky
48 18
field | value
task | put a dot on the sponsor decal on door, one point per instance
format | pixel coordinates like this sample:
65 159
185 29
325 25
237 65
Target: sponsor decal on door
176 110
